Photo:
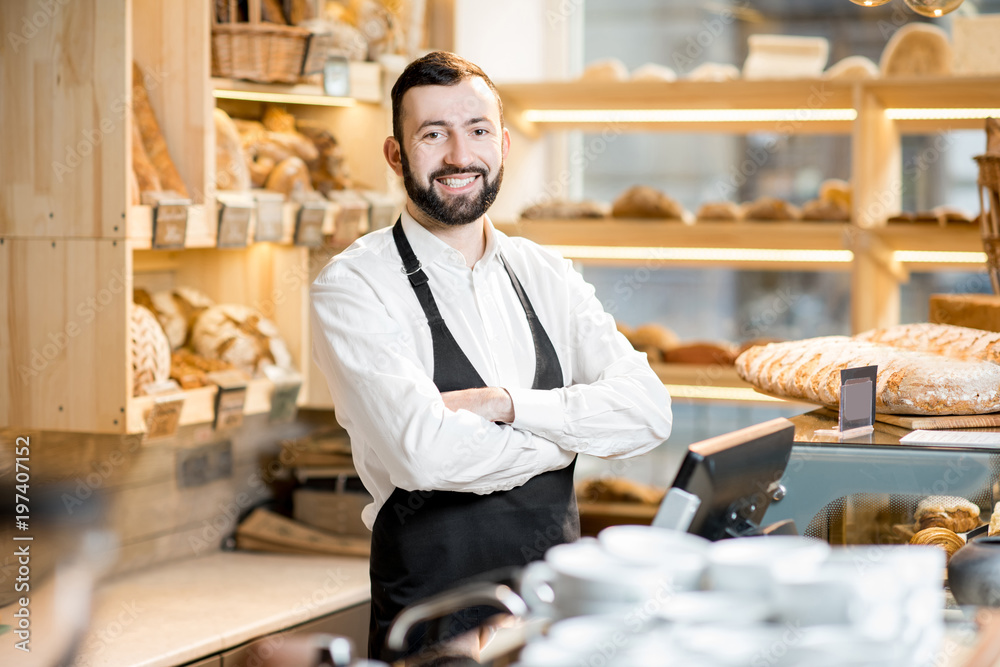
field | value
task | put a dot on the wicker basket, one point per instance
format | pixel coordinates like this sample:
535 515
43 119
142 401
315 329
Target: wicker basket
257 51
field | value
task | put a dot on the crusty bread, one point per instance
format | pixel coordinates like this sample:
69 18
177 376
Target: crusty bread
653 72
908 381
917 49
994 528
944 339
642 201
565 209
719 210
708 354
714 72
992 136
852 68
152 138
817 209
770 208
608 69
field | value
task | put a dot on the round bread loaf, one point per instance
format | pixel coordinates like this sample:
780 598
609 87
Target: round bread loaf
150 350
653 72
852 68
917 49
719 211
817 209
241 336
642 201
654 337
770 208
714 72
704 353
566 210
608 69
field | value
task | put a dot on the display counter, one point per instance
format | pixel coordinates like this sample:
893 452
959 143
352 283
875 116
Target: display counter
857 491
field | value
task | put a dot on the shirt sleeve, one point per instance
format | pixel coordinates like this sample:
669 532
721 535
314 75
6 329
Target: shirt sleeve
615 406
380 388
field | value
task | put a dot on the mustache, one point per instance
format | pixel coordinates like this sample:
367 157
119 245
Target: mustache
451 171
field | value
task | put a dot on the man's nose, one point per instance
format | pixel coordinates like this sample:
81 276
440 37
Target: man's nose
459 153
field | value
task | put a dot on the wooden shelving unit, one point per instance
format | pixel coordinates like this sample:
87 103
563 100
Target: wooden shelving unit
878 113
72 248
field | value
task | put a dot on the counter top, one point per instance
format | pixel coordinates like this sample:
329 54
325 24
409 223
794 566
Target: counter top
188 609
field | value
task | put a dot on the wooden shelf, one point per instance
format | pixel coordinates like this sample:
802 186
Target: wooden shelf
798 95
365 86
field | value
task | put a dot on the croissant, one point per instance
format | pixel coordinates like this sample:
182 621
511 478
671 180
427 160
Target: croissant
940 537
951 512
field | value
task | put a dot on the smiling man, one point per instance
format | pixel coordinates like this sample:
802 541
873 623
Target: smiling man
469 368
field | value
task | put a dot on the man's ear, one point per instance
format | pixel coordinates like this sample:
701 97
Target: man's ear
505 146
390 149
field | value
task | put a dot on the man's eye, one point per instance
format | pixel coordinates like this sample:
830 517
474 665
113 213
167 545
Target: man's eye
432 135
480 132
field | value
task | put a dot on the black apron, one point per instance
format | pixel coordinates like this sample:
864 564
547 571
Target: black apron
426 542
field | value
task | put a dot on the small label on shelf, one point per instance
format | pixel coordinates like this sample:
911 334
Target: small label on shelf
284 401
230 399
337 76
170 224
234 224
270 213
857 397
164 417
309 224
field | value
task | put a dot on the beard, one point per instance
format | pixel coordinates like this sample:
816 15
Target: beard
458 210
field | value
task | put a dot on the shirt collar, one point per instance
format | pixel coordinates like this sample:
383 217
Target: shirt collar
430 249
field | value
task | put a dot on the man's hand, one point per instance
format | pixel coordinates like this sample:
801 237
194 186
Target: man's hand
492 403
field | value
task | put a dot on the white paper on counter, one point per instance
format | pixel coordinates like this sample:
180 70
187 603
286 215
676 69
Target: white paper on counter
977 439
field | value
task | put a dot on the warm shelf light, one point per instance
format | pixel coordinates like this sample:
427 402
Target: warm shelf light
284 98
770 255
687 115
938 257
719 393
940 114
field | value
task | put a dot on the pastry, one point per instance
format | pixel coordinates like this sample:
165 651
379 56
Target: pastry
994 528
641 201
951 512
707 354
231 170
940 537
719 210
770 208
189 370
714 72
917 49
908 381
609 69
562 209
852 68
329 171
653 72
152 138
277 119
943 339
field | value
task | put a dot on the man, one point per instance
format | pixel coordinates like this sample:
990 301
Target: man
468 368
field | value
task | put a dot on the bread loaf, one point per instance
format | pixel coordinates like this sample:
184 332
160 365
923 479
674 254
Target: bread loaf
618 490
642 201
152 138
289 177
992 136
770 208
714 72
609 69
994 528
852 68
241 336
818 209
917 49
940 537
943 339
150 350
145 173
277 119
231 169
836 191
708 354
653 72
563 209
719 210
908 381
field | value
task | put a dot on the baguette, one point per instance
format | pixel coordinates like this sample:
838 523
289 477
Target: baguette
152 138
145 173
908 381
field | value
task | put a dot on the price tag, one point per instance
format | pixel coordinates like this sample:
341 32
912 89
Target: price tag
164 417
337 77
284 401
170 224
230 399
857 398
270 214
309 224
234 224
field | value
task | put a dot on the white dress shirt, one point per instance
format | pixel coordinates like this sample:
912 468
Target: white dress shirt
373 344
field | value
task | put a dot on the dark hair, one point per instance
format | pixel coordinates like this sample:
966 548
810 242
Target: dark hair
438 68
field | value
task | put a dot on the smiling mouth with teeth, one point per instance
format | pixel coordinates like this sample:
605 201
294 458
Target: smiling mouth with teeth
458 182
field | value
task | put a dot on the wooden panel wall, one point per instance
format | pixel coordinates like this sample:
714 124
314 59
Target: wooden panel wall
63 118
172 45
67 322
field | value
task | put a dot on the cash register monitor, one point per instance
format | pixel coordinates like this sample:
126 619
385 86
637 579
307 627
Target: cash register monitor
735 476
